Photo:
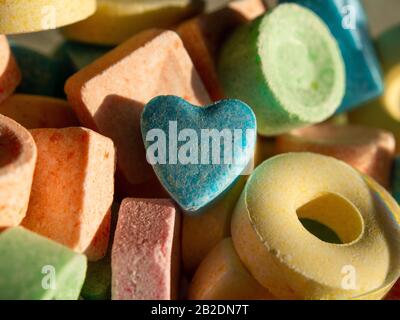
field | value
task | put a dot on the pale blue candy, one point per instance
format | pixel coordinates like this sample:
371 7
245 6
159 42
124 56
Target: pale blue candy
363 73
196 184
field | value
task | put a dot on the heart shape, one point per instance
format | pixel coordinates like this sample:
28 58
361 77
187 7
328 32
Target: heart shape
198 152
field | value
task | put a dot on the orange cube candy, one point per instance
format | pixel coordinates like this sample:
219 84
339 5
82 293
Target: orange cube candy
109 95
73 189
34 112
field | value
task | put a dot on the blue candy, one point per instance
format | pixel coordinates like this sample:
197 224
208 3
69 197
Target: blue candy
347 21
176 135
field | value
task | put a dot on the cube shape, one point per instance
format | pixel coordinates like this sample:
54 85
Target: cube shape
72 188
203 35
109 95
35 112
17 163
36 268
145 254
348 23
10 75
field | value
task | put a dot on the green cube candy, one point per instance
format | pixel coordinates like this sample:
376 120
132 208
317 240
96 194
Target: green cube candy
33 267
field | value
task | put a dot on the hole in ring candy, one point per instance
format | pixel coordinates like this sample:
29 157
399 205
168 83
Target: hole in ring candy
17 164
287 66
19 16
293 263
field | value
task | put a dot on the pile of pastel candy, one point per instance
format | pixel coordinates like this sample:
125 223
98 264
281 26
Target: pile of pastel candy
125 172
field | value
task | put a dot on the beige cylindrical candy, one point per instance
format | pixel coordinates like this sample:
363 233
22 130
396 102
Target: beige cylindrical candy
17 164
367 149
19 16
222 276
10 75
117 20
72 189
35 112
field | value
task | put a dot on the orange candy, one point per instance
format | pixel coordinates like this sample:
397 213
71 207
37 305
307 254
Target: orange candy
109 95
34 112
371 151
73 189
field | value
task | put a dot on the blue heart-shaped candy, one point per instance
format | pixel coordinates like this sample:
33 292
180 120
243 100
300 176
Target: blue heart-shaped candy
198 152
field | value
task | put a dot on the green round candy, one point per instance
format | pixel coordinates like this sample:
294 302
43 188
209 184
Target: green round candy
287 66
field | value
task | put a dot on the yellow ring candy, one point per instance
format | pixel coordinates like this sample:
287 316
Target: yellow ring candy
291 262
20 16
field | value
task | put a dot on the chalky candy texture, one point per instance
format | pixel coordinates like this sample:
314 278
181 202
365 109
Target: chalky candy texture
10 75
19 16
117 20
27 263
73 188
18 155
145 254
195 181
34 112
203 35
363 73
369 150
216 219
222 276
299 265
42 74
287 66
109 96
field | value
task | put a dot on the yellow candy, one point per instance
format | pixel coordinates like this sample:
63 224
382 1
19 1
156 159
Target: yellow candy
202 232
117 20
291 262
20 16
221 276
